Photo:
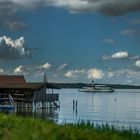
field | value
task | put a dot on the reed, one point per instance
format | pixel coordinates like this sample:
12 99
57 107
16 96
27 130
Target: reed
19 128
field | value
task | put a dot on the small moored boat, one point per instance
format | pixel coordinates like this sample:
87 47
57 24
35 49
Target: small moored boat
7 103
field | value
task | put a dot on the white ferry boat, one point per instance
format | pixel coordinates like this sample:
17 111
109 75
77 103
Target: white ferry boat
97 89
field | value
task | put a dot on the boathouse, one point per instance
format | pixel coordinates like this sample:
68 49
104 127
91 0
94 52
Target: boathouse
26 92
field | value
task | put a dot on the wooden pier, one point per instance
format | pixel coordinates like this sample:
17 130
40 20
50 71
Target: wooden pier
28 95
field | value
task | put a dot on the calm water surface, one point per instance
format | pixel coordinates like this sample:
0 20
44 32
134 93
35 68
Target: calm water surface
120 108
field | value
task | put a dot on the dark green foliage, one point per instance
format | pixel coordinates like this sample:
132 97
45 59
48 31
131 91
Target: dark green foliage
17 128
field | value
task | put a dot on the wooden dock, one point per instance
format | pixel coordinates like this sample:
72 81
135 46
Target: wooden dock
28 95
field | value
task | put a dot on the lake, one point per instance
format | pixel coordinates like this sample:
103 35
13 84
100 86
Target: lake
119 108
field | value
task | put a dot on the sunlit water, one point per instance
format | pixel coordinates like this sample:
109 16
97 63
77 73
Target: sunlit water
119 108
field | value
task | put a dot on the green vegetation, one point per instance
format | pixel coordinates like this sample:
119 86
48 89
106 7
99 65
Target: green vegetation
17 128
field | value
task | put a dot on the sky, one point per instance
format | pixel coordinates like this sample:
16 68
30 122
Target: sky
71 40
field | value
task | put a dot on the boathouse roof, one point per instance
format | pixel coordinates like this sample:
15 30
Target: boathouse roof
11 79
31 86
19 82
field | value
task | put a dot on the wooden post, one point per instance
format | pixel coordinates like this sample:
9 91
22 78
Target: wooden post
76 106
73 104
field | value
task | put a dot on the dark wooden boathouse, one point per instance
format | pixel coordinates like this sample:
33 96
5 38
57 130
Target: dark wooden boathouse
26 93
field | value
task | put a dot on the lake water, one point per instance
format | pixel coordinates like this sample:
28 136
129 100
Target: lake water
119 108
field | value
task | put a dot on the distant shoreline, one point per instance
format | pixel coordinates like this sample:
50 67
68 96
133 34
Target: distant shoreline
81 85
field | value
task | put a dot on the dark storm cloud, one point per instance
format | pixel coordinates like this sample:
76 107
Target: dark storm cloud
11 21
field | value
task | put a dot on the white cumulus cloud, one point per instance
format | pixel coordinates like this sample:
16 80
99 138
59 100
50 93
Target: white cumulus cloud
121 54
74 73
63 66
92 73
18 69
11 49
95 74
110 74
45 66
137 63
32 69
70 74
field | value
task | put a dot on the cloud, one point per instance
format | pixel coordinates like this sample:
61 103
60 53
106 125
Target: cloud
38 74
134 21
134 57
25 70
74 73
117 55
70 74
10 18
130 32
109 40
45 66
16 26
95 74
110 74
32 70
107 7
18 69
92 73
123 55
62 67
137 63
1 70
11 49
128 73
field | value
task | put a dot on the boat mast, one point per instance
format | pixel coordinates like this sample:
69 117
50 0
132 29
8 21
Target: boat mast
92 83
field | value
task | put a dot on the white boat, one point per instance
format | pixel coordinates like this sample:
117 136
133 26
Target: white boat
96 89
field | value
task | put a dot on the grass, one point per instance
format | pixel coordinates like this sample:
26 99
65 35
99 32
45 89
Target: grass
18 128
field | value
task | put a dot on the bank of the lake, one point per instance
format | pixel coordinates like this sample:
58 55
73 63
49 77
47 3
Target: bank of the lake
119 108
18 128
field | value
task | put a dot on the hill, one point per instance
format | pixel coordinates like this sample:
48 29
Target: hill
81 85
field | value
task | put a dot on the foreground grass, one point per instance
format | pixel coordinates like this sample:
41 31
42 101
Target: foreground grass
17 128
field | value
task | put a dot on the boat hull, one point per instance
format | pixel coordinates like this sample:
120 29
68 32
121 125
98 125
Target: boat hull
96 90
7 107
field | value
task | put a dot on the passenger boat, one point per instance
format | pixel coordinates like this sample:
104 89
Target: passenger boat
97 89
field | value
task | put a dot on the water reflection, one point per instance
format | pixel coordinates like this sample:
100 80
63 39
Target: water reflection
120 108
49 113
